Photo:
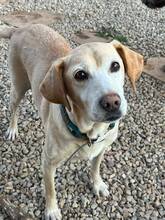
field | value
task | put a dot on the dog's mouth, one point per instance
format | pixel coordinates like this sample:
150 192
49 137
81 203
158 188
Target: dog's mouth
110 117
113 116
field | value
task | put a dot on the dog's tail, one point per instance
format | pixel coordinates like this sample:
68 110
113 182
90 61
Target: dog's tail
7 32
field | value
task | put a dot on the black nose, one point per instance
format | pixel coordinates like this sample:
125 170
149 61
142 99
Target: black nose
110 102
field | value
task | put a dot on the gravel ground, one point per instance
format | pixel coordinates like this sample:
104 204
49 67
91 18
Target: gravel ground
135 167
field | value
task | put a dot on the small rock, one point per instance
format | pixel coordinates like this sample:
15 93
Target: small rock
37 213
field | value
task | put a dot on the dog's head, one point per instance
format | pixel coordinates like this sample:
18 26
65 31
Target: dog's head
91 79
154 3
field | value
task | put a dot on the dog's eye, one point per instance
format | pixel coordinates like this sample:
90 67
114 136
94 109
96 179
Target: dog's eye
81 75
115 66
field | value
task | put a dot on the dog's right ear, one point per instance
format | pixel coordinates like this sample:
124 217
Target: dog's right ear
53 86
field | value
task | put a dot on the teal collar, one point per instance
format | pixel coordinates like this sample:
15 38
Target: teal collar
74 130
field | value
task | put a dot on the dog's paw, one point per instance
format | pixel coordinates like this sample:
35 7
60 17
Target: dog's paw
11 133
53 214
100 189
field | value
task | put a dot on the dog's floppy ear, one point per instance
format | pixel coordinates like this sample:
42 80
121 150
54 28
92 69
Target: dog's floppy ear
53 86
133 62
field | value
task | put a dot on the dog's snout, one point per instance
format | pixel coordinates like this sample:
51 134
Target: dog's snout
110 102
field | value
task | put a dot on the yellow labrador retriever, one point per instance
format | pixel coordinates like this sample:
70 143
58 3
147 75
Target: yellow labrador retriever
79 95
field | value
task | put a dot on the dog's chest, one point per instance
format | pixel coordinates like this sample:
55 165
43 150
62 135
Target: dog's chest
103 142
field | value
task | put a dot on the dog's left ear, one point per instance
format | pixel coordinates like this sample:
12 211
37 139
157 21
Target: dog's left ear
133 62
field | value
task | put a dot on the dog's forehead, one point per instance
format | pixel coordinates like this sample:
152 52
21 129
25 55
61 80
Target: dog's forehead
96 54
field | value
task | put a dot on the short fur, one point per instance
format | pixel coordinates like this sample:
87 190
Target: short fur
41 59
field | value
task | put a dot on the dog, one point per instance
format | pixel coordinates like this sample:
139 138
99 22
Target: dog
154 3
78 92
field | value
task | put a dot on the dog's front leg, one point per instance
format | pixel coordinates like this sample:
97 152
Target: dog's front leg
100 188
52 211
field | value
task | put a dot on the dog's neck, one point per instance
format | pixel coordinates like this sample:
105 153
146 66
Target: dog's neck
92 129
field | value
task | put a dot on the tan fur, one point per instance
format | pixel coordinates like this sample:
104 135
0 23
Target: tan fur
133 62
41 58
53 86
97 58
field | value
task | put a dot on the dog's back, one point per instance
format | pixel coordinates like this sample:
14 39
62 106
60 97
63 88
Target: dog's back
32 50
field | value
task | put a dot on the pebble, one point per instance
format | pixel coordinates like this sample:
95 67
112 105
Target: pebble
37 213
